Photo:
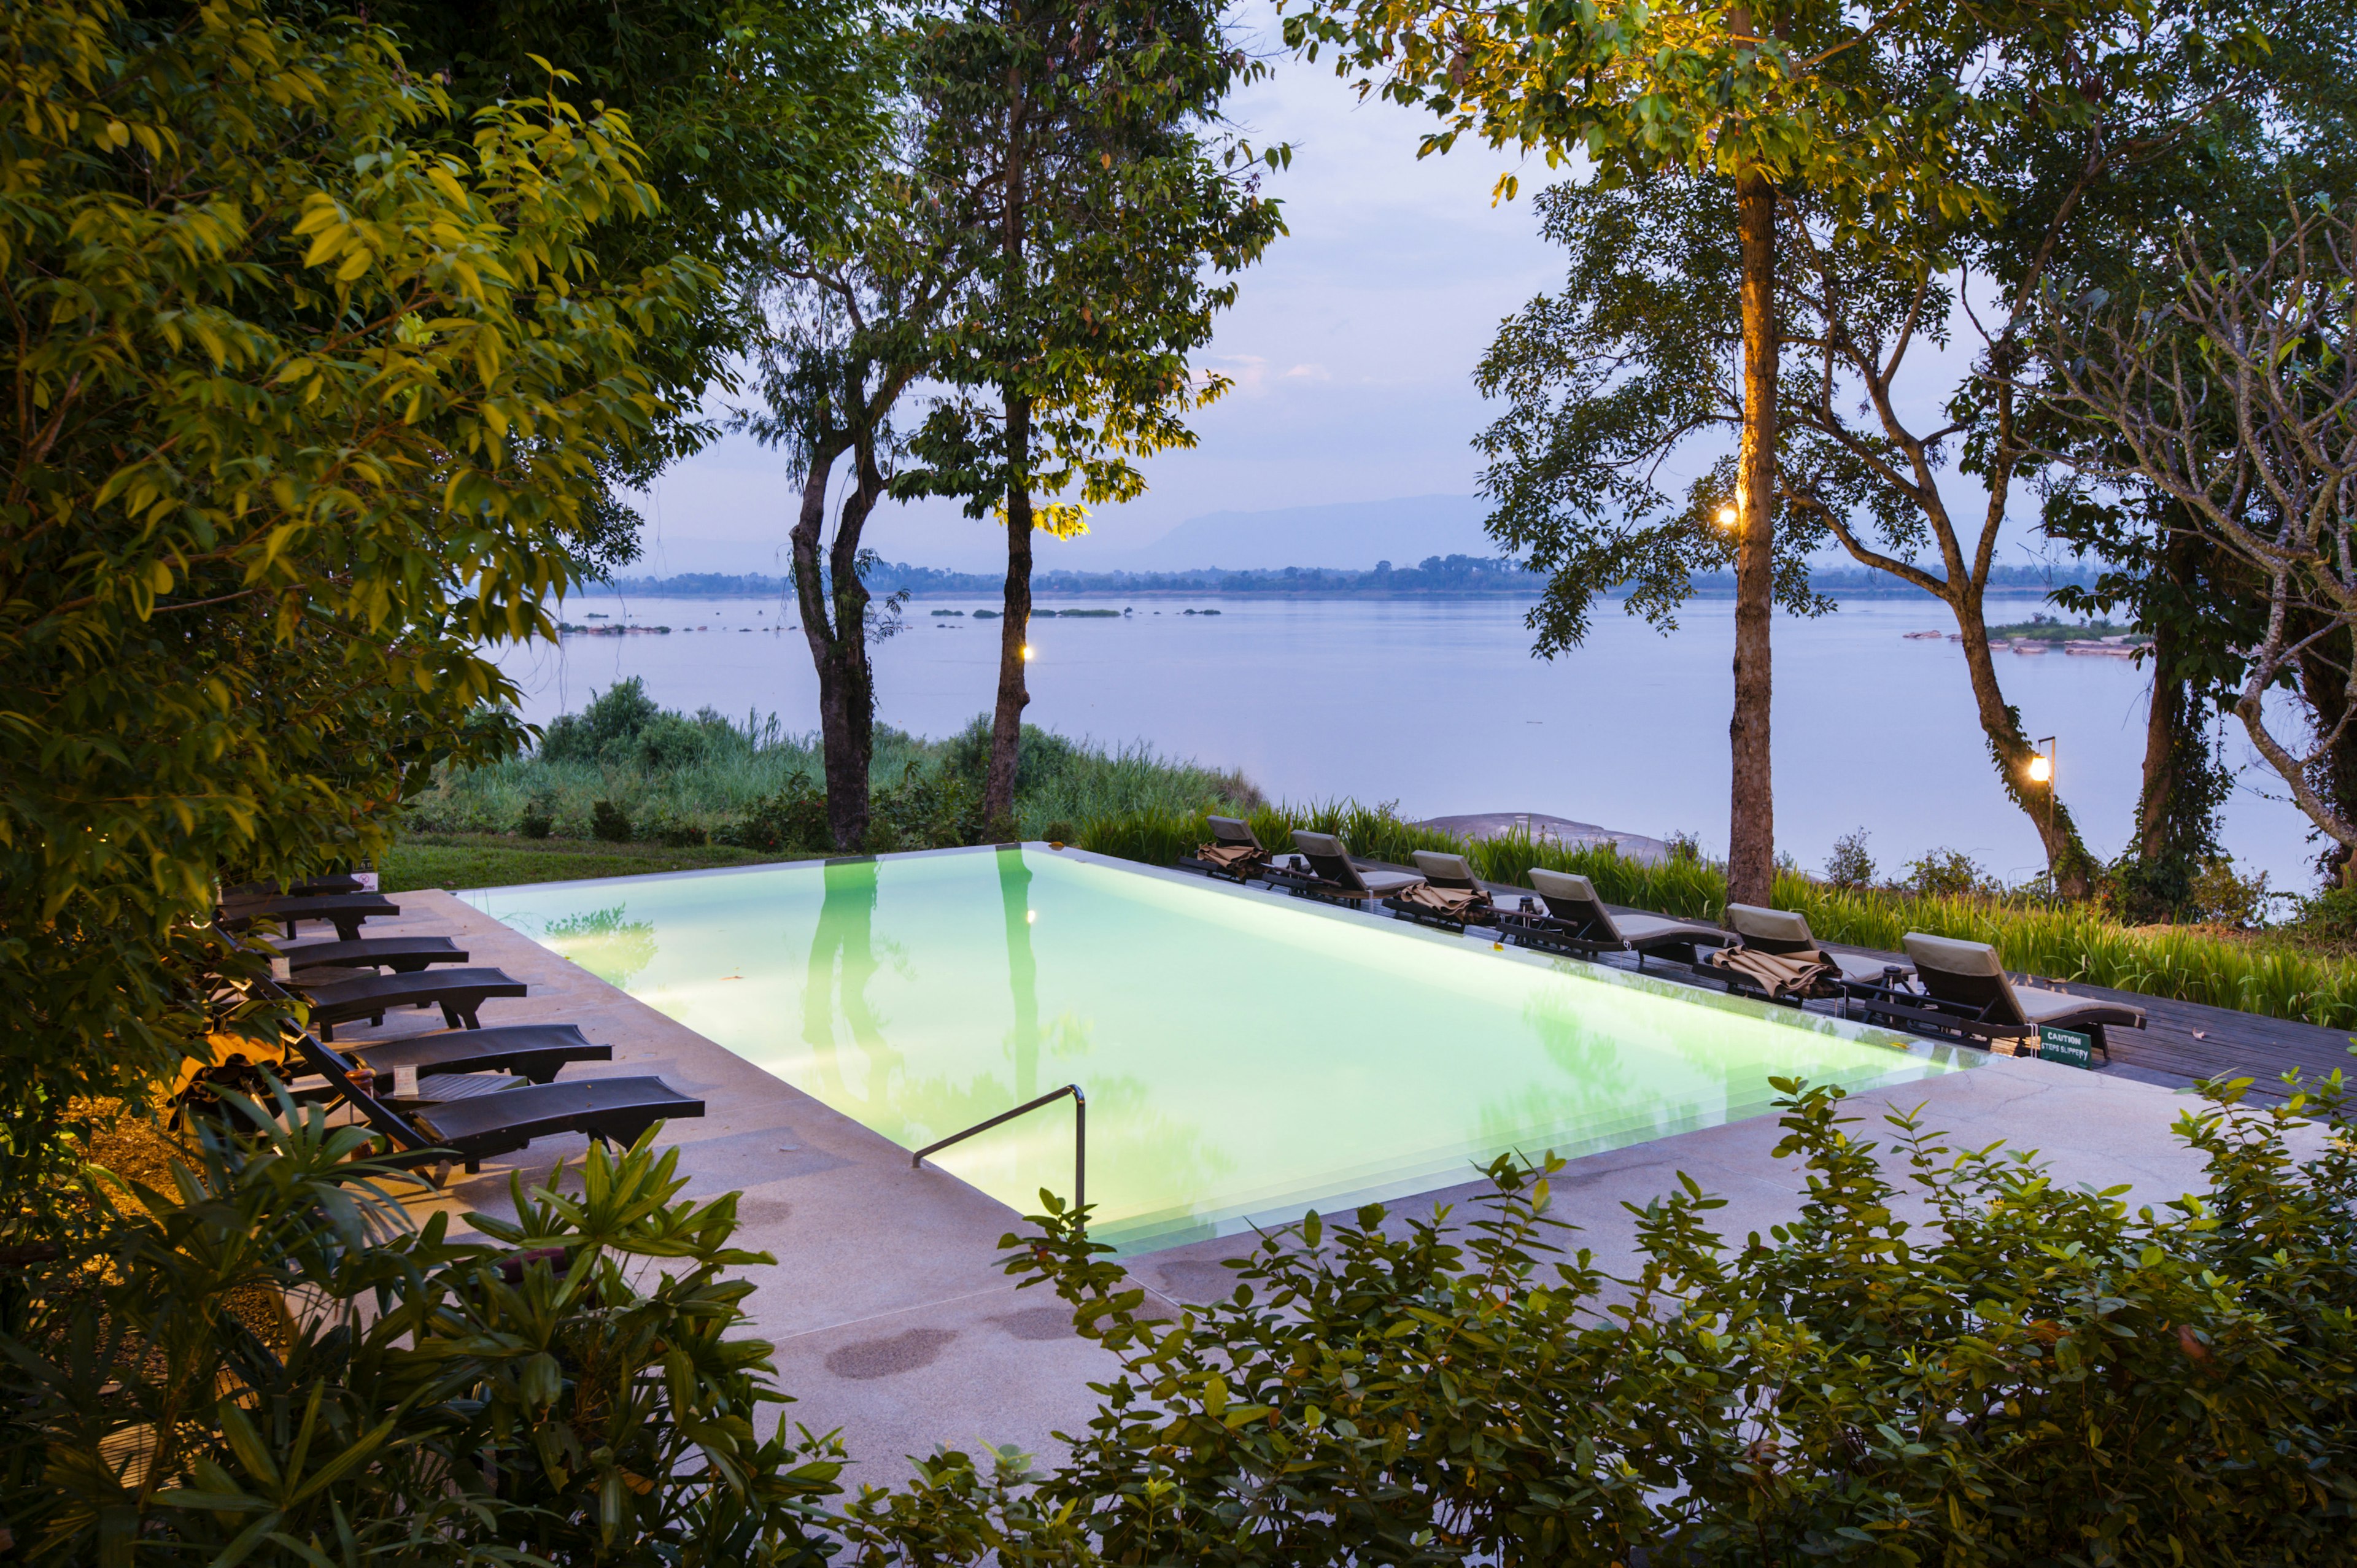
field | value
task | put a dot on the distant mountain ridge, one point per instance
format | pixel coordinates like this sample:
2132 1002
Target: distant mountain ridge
1435 575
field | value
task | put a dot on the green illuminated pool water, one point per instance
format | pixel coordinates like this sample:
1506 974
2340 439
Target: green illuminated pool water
1244 1056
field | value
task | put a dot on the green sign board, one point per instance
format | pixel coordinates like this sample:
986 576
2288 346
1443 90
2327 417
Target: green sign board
2075 1046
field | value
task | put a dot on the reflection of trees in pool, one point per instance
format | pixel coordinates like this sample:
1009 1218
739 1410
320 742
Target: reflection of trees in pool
1134 1149
842 965
605 942
1022 969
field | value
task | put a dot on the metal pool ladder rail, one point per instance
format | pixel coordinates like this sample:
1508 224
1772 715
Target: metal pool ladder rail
1080 1136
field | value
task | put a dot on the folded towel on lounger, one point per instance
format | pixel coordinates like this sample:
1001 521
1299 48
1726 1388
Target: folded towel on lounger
1454 902
1230 856
1778 975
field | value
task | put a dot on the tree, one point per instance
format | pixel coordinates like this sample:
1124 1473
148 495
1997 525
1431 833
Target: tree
1113 207
857 314
753 118
2235 396
305 415
2107 130
1859 113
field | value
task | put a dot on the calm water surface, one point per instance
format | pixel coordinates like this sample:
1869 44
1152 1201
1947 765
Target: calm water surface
1440 706
1243 1054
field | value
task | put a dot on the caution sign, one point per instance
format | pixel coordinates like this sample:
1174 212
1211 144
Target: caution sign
2074 1046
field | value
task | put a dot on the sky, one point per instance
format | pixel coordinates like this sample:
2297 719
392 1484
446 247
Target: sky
1351 345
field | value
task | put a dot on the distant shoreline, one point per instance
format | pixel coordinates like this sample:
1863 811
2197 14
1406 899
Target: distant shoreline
1454 578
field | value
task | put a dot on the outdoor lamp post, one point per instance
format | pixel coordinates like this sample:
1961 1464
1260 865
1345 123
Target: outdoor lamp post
1726 516
2041 771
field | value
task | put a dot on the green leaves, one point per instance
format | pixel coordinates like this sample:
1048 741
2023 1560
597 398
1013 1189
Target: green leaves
316 408
430 1402
2028 1370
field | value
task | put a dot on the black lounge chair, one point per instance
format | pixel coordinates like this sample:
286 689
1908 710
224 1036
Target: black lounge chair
1961 988
345 911
1235 852
1451 897
533 1051
1576 921
1324 870
459 992
467 1132
402 955
1784 934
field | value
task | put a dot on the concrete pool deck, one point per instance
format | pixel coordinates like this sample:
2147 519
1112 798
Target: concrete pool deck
891 1318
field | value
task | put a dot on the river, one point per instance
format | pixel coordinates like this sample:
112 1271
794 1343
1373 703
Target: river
1438 705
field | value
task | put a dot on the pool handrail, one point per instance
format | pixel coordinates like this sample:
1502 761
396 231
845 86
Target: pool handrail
1080 1138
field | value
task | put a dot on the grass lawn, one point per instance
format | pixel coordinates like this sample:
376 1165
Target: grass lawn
498 860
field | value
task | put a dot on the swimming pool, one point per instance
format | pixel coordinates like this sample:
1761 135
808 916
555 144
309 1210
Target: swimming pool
1246 1055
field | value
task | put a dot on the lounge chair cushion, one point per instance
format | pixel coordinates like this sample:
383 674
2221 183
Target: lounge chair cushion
1564 885
1444 870
1753 923
1861 966
1653 931
1384 882
2041 1006
1308 842
1951 956
1233 831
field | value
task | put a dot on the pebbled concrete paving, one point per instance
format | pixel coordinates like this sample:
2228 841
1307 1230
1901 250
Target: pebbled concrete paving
891 1318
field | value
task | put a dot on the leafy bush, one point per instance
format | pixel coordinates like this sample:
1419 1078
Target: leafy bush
929 808
611 823
579 1388
236 236
1850 866
2034 1373
2332 913
538 819
615 714
792 819
2223 897
672 833
1948 873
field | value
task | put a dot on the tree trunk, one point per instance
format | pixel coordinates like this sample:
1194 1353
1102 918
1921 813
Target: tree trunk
837 636
848 758
2010 749
1751 819
2324 687
1015 630
2164 733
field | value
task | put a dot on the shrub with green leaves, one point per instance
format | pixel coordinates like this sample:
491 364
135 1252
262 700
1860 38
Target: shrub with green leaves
578 1387
312 388
1966 1364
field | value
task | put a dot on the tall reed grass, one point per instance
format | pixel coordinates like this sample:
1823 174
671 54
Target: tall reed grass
2058 942
716 770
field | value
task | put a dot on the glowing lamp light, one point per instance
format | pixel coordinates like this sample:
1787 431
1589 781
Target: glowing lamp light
1727 517
1030 917
1026 652
2041 768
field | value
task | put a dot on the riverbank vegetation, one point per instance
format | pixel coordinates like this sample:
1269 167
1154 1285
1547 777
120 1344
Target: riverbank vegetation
627 786
627 771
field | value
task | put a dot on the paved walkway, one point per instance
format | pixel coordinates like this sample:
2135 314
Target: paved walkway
891 1319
